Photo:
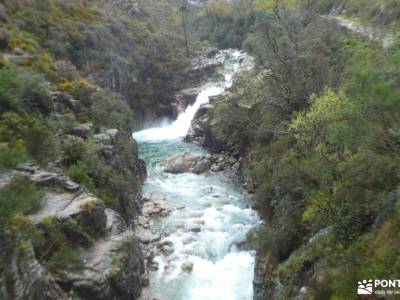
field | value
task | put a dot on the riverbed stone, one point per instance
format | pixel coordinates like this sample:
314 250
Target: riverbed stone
180 207
167 250
187 240
157 198
187 266
146 236
194 227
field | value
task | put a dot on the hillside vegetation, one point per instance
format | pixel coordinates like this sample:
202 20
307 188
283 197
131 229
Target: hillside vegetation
75 78
317 123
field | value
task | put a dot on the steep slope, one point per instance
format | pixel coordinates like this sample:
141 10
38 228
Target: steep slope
314 127
117 44
75 78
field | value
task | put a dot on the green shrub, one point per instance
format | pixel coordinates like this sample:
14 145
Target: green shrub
40 143
110 111
67 258
12 151
11 155
23 88
8 89
20 196
33 93
79 172
74 149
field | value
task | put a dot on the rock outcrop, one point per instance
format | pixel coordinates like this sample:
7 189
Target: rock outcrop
83 130
111 259
183 99
113 269
200 132
204 67
25 277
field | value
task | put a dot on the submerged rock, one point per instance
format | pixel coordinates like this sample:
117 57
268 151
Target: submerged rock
187 240
187 266
194 227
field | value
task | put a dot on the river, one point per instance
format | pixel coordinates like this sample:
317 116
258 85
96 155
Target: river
219 269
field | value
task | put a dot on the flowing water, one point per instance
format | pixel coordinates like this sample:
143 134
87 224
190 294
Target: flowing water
221 271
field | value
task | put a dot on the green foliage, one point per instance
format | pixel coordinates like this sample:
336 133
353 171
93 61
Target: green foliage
314 126
67 259
8 89
225 25
24 102
74 149
322 144
231 123
23 88
110 111
11 155
12 151
19 197
383 12
33 132
79 173
33 94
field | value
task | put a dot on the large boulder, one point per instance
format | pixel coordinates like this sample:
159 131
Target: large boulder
186 162
25 277
77 215
83 130
113 269
200 132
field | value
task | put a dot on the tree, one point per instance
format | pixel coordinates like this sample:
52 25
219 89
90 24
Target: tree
184 10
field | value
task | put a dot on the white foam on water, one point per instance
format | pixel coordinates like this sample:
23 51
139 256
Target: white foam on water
230 278
180 127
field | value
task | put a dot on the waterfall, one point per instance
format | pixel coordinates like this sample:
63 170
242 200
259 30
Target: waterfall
179 128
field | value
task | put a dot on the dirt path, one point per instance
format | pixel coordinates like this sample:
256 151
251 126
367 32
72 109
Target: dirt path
372 33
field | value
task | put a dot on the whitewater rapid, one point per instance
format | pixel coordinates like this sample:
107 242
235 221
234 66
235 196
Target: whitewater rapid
221 269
